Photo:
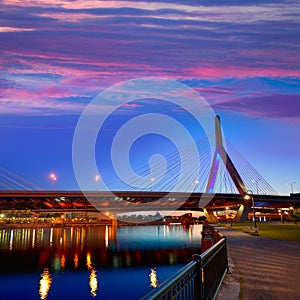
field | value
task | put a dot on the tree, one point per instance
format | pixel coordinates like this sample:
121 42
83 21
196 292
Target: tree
295 215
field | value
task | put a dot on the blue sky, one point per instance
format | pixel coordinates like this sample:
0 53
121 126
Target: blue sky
242 57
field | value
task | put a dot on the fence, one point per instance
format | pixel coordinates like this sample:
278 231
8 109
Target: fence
198 280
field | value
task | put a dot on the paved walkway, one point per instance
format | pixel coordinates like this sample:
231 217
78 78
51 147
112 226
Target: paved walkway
262 269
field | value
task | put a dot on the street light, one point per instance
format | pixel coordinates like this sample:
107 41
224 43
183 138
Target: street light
247 197
53 179
291 184
97 178
196 183
152 181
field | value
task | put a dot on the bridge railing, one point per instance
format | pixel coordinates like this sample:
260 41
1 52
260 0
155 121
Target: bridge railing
198 280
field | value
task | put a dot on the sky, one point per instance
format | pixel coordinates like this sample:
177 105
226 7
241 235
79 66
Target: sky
243 57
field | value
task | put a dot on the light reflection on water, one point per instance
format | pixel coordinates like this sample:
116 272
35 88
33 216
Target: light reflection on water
45 283
93 277
71 261
153 278
93 282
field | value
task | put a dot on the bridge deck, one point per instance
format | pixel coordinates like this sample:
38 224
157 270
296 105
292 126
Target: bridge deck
131 200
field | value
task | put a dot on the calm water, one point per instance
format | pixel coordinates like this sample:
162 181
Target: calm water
92 262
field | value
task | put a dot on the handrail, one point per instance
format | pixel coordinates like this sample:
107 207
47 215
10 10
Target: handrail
212 251
198 280
164 287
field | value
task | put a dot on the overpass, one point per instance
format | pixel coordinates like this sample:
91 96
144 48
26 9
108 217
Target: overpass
130 201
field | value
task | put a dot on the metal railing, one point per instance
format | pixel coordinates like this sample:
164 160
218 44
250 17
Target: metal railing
198 280
214 265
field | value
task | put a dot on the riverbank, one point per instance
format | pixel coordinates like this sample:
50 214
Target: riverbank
89 224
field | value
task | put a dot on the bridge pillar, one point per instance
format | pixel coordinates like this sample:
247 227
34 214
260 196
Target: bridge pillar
210 217
222 155
243 211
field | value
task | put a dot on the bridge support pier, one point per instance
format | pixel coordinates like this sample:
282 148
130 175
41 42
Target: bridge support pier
210 217
243 211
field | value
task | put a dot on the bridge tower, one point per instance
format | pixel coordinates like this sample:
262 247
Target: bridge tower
221 155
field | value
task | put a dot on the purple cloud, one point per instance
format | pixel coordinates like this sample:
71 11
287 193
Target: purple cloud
286 107
83 48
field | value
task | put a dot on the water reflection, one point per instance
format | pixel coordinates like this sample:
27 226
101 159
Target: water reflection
11 241
86 252
153 278
71 248
106 237
93 277
88 261
75 260
45 284
93 283
63 261
51 237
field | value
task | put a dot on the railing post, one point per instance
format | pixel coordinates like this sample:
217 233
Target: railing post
198 285
226 256
207 237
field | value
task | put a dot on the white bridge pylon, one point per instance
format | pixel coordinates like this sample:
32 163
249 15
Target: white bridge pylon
221 154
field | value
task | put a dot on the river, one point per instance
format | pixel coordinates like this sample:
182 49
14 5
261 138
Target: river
97 262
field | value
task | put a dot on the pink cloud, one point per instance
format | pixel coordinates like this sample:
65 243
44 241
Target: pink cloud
41 101
240 72
39 107
14 29
131 105
78 48
275 106
46 92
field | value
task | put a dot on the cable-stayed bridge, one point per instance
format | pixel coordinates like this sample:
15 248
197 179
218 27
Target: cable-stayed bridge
224 171
219 183
219 172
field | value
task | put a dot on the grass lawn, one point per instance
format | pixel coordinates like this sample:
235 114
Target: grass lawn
273 230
